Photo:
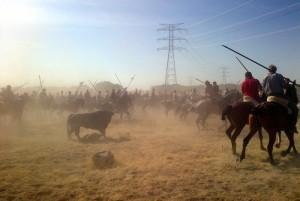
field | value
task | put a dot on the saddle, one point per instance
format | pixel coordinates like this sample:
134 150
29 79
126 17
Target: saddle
281 101
249 99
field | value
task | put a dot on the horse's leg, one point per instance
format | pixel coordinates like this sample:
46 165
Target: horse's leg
198 121
261 139
290 137
144 108
234 136
272 139
229 130
247 140
128 114
70 130
77 131
203 122
103 131
278 140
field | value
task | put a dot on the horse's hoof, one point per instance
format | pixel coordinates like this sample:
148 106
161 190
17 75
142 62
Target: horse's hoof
241 158
272 162
263 148
284 153
277 146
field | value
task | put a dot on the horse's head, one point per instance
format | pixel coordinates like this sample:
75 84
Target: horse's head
291 93
231 97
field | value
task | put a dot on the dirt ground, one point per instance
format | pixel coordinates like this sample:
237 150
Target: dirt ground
157 158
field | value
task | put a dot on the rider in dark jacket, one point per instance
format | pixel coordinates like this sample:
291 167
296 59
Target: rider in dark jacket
274 85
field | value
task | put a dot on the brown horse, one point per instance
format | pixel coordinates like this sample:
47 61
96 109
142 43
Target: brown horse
209 106
274 118
237 116
13 108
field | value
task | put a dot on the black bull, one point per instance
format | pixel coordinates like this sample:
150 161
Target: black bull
96 120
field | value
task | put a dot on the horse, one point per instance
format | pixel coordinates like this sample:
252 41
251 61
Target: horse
183 109
209 106
237 115
13 108
149 102
120 105
169 105
274 118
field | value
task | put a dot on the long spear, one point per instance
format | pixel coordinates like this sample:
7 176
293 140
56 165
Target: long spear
130 82
293 82
200 81
118 79
80 85
246 57
94 87
41 82
242 64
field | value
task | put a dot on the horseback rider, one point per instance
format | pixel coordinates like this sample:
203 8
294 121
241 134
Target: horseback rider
273 87
153 94
215 89
113 96
194 96
212 91
209 89
250 89
174 96
7 94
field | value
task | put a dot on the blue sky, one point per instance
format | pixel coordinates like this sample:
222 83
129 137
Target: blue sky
68 41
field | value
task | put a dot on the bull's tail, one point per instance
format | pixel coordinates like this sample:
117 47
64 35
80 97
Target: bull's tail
226 111
69 127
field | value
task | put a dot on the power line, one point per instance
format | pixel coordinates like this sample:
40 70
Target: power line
239 30
253 36
246 21
219 15
170 74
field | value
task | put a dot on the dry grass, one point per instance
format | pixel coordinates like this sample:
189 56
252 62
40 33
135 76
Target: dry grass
157 159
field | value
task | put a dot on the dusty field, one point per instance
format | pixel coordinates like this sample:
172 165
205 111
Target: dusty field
157 159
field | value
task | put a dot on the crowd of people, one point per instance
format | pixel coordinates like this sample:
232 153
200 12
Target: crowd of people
272 89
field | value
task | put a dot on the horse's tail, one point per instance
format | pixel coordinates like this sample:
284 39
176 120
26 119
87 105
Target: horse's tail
69 127
254 114
257 110
226 111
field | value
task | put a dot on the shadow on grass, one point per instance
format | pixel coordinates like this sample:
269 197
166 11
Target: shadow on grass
291 162
96 138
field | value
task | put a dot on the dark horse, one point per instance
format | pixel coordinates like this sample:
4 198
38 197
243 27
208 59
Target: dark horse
237 115
273 117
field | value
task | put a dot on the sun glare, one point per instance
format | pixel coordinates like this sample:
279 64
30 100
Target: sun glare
17 14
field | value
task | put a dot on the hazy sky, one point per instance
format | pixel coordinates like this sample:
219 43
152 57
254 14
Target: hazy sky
68 41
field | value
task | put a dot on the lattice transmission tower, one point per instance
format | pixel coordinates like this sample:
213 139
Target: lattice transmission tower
170 74
225 74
